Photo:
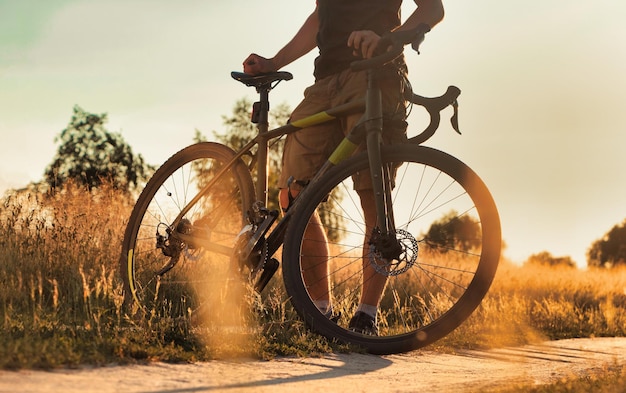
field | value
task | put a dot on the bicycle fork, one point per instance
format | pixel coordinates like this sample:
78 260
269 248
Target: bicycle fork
380 175
383 236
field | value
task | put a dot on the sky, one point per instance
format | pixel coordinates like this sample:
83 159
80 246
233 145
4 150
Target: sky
541 109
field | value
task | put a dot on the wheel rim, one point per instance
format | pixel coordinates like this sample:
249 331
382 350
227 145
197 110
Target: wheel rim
429 296
202 272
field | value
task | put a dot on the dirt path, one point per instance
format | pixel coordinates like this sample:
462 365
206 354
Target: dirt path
465 371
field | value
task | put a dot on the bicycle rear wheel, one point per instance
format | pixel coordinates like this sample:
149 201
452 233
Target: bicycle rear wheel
447 225
164 275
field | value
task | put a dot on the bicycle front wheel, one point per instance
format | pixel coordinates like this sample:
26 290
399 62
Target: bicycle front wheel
167 276
448 229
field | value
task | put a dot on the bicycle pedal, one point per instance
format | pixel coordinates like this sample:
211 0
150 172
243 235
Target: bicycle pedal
270 267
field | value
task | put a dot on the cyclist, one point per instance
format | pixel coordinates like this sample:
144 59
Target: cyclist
343 31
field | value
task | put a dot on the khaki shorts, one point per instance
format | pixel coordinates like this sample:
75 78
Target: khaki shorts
308 149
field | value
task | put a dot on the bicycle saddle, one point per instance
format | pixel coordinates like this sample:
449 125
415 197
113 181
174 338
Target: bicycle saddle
261 79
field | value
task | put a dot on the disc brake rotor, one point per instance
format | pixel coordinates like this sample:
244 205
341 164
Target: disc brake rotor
395 266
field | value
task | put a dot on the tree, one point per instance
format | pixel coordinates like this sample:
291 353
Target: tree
610 250
239 131
90 155
544 258
454 232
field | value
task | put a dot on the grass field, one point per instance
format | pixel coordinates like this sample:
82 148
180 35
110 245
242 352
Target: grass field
61 301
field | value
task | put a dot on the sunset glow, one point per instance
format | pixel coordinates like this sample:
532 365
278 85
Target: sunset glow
540 111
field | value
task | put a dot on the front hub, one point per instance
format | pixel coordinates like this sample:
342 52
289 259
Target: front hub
393 256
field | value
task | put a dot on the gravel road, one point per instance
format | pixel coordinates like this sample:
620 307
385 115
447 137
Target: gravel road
464 371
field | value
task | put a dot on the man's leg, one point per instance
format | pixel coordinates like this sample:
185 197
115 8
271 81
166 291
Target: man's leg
304 153
373 282
364 320
314 257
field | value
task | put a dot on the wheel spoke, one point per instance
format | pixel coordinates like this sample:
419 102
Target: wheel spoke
443 246
197 253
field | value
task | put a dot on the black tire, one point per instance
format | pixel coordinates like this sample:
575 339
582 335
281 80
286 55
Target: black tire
443 210
219 215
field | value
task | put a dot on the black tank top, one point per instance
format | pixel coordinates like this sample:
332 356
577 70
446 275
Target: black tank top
339 18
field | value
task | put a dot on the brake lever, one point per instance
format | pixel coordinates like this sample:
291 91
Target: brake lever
455 117
422 30
416 44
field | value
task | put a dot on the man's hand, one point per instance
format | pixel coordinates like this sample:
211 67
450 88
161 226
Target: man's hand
364 43
256 64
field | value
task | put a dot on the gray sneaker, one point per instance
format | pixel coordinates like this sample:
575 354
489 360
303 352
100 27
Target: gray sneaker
330 314
363 323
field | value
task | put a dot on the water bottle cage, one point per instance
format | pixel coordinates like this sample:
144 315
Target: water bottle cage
300 183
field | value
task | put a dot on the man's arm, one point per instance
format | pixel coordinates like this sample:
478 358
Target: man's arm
429 12
365 42
302 43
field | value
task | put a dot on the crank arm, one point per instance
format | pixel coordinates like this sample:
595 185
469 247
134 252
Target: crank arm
260 233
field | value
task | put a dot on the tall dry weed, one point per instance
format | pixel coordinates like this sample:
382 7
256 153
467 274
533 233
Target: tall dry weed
61 298
533 302
58 267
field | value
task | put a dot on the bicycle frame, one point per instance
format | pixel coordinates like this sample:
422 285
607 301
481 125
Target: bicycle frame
370 123
368 129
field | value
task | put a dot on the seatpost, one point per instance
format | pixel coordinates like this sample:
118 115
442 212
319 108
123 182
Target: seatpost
260 116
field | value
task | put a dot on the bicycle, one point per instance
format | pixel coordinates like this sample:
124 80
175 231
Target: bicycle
202 222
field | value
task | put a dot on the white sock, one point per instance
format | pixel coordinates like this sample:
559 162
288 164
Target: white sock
323 305
368 309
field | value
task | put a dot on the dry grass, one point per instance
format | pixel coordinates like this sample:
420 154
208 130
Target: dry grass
58 276
61 295
531 303
61 299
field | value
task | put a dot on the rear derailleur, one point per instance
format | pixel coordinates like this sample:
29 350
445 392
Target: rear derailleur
172 246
